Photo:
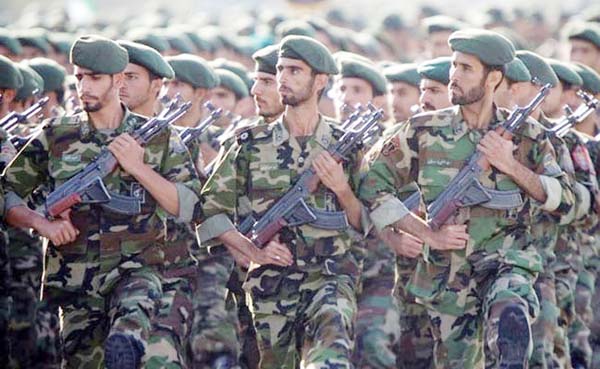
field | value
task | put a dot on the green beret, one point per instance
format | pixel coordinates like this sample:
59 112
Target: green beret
591 79
309 50
179 42
294 27
586 31
32 81
491 48
565 72
234 67
34 38
353 68
232 82
441 23
53 73
99 54
148 58
538 67
194 70
516 71
10 77
393 22
10 42
266 59
146 37
61 42
406 73
201 43
437 69
517 40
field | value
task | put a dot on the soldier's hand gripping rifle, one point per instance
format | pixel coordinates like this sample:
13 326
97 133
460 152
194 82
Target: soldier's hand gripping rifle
12 119
291 209
572 118
86 187
465 190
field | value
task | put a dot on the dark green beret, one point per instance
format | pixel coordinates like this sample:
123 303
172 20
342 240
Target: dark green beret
437 69
61 42
232 82
234 67
491 48
354 68
99 54
565 72
586 31
148 38
10 77
266 59
517 40
10 42
32 81
403 73
194 70
201 43
294 27
148 58
516 71
179 42
53 73
441 23
309 50
538 67
393 22
591 79
34 38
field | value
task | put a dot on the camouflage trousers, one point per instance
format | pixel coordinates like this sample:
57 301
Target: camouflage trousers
303 318
461 339
155 308
546 325
415 350
215 326
378 321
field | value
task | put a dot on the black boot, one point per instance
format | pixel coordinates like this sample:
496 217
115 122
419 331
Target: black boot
513 338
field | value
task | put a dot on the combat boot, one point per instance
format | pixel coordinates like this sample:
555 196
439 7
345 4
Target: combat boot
122 351
514 338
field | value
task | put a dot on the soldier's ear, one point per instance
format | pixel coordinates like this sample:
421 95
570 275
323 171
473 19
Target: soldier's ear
118 80
494 78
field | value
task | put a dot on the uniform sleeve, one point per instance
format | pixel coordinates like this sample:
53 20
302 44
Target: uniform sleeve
26 172
558 185
221 192
386 168
179 168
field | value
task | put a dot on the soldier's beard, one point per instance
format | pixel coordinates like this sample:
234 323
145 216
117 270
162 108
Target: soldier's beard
300 97
472 96
92 107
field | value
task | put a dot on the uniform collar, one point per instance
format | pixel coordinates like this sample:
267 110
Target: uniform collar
322 134
87 128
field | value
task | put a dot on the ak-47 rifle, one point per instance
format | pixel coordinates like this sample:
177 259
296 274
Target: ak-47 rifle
189 134
572 118
465 190
291 209
86 187
12 119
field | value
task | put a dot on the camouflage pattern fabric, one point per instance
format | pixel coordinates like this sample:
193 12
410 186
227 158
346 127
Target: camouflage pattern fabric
466 290
111 278
303 314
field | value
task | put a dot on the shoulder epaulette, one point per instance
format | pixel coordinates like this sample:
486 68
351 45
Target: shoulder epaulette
435 118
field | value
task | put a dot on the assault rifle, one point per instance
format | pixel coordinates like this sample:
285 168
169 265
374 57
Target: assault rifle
86 187
291 209
189 134
10 121
590 103
465 190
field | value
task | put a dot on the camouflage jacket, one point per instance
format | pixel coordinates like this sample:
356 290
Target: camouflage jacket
430 150
262 166
106 239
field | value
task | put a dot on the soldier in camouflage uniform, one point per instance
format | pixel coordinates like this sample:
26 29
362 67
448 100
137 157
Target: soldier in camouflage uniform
482 294
54 85
434 84
144 77
122 306
303 305
404 80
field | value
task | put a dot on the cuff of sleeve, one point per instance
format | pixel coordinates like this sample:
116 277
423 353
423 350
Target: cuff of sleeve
388 213
187 200
584 200
213 227
553 193
12 200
